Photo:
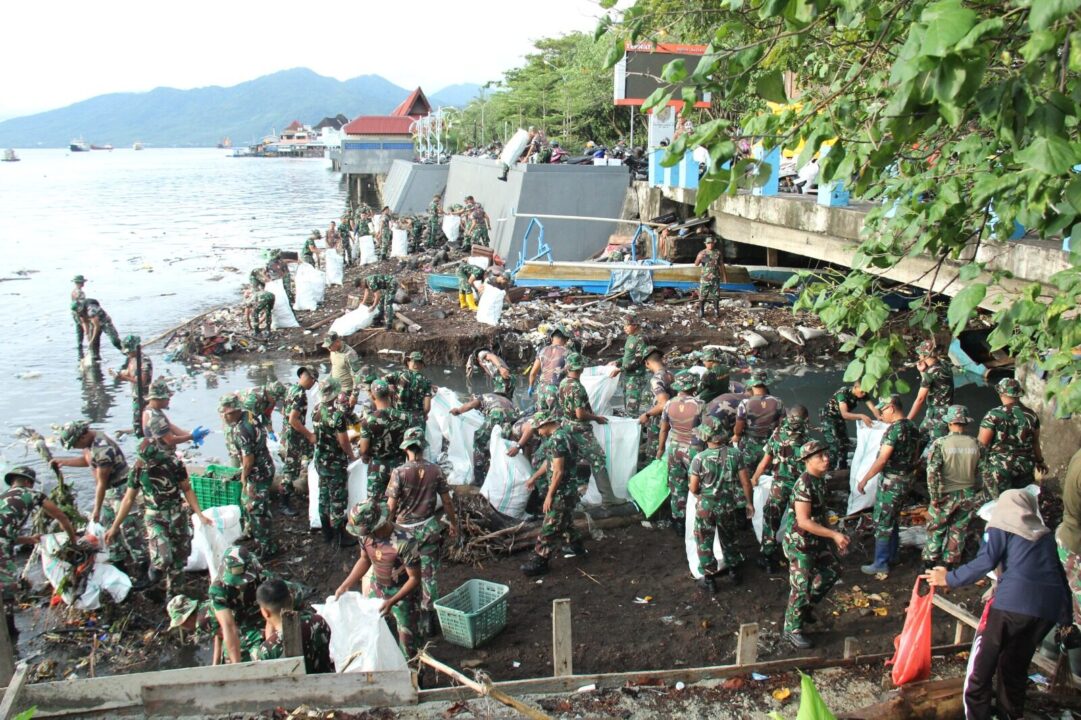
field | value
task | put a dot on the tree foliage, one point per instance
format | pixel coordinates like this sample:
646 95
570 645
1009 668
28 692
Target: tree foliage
958 117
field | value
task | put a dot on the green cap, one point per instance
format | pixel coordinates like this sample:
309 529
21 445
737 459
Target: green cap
957 414
367 517
685 382
159 390
21 471
276 390
72 432
884 403
712 354
251 400
1009 387
758 379
229 402
180 608
811 448
236 563
130 343
650 350
542 418
558 328
711 430
367 374
413 436
575 361
78 280
330 387
379 386
926 349
416 356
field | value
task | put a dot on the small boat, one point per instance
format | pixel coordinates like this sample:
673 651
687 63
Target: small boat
596 277
443 283
10 156
79 145
137 145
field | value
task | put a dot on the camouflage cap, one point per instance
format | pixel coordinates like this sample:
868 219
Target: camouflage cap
759 378
711 430
926 349
78 279
72 432
957 414
251 400
21 471
330 387
314 372
316 234
229 402
811 448
367 517
180 608
615 255
560 329
235 563
367 374
710 239
130 343
413 436
631 318
416 356
712 354
575 361
542 418
159 390
1009 387
331 338
276 390
651 350
685 382
379 386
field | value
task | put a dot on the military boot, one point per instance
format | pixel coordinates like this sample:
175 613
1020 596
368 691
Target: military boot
881 564
328 531
461 301
470 302
799 640
286 508
537 565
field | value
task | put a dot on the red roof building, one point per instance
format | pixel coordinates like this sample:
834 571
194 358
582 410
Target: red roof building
371 143
378 125
414 106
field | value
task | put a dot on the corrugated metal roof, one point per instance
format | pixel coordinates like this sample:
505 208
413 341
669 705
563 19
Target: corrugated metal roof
379 125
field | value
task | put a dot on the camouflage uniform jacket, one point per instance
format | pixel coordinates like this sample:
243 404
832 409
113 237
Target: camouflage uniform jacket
710 260
328 421
206 622
307 253
104 452
1015 427
416 486
364 227
903 436
240 597
573 395
718 474
939 381
660 383
761 413
391 556
497 408
723 408
813 490
382 283
315 639
413 389
714 382
434 208
250 439
297 399
560 444
683 413
633 362
16 506
385 428
782 446
831 411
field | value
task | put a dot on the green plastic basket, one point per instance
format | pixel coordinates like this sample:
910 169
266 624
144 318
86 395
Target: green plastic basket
222 472
474 613
215 492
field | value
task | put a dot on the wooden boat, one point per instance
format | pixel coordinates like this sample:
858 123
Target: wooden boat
596 277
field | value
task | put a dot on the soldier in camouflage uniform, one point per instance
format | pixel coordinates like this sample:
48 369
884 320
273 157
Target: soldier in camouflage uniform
260 304
277 267
497 371
414 389
680 417
468 275
196 616
78 296
364 223
936 389
382 288
953 486
897 459
477 222
274 597
386 235
555 484
660 386
163 480
498 412
756 419
381 432
298 442
333 453
716 379
110 470
232 600
633 368
310 252
392 555
261 402
435 212
578 417
95 323
256 474
834 415
813 563
717 478
132 345
412 493
780 460
549 369
1010 438
709 283
344 362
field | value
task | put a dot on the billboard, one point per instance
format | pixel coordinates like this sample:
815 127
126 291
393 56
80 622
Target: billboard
638 74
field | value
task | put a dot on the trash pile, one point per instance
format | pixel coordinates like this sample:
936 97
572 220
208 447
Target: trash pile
863 603
486 533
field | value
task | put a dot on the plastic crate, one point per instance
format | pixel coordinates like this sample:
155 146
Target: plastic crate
222 472
474 613
215 492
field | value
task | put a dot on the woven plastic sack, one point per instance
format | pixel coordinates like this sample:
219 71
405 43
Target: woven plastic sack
618 439
282 315
353 321
452 227
103 576
868 443
360 640
358 489
459 430
692 545
209 542
335 273
367 249
649 487
490 307
311 287
912 648
514 147
600 387
399 243
504 485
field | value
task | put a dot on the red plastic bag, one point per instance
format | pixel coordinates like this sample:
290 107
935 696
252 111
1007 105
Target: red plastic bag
912 648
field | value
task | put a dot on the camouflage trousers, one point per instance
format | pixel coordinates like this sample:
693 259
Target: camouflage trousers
9 578
479 236
592 460
109 330
713 515
751 450
428 536
503 386
262 308
482 446
558 525
255 515
780 492
130 545
136 417
679 465
636 395
386 306
839 445
893 487
379 476
168 538
948 521
933 426
813 570
433 232
290 288
296 453
651 439
382 246
709 289
1004 472
548 397
1071 563
406 615
334 494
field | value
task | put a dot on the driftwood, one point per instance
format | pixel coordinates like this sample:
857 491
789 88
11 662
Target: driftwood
934 700
176 328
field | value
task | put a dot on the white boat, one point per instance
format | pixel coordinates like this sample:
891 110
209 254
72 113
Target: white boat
137 145
79 145
10 156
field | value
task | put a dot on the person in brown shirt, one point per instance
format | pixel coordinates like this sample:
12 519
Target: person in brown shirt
681 415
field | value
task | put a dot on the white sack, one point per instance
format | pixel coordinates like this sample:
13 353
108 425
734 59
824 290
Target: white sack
399 243
600 387
459 430
335 274
311 287
514 147
442 402
353 321
282 315
692 545
209 542
360 640
357 488
377 223
478 261
103 577
452 226
759 495
490 307
505 484
868 442
367 250
618 439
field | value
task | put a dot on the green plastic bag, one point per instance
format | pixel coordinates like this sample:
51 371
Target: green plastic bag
649 487
811 705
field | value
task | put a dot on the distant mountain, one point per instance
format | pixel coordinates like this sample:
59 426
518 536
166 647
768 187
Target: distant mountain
203 116
457 95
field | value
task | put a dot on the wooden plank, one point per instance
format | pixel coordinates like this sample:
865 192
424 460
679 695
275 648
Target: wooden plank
562 644
965 617
14 690
747 644
118 692
7 650
292 642
332 691
852 647
486 688
959 632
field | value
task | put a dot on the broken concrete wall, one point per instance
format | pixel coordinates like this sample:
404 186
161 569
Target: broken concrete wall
1059 438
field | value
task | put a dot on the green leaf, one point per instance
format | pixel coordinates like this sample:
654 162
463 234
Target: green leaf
674 71
901 386
963 305
1075 51
1049 155
1045 12
615 52
602 27
970 272
1038 43
947 22
770 86
982 28
878 365
854 371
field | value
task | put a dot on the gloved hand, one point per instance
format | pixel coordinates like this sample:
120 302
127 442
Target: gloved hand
530 394
272 436
198 435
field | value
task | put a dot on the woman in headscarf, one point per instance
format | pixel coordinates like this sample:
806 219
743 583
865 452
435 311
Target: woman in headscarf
1068 534
1029 598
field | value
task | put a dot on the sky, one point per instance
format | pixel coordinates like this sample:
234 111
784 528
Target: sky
57 53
